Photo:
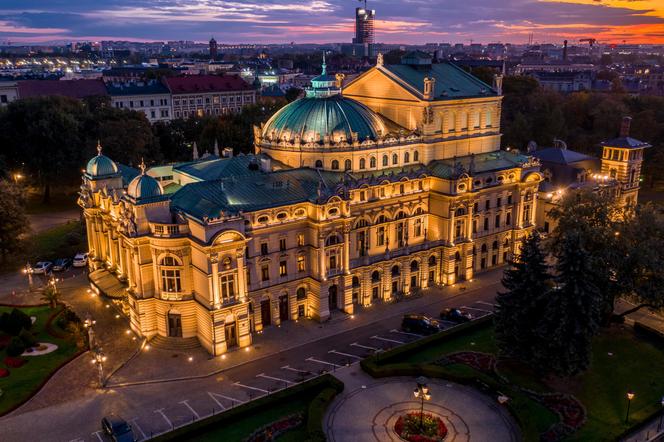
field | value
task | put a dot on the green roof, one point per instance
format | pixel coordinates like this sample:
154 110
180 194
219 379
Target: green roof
452 82
236 188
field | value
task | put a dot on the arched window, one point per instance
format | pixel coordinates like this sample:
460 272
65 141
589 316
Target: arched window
483 248
414 266
494 246
319 164
395 159
396 271
301 294
356 281
406 157
372 162
385 160
457 256
348 165
416 156
400 215
451 122
363 163
506 243
170 277
335 165
460 212
375 276
332 240
381 219
361 223
432 260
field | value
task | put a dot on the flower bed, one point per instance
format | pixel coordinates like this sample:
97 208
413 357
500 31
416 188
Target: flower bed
483 362
14 362
4 372
275 429
432 429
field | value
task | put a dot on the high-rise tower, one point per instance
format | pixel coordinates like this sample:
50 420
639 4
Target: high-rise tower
364 25
213 48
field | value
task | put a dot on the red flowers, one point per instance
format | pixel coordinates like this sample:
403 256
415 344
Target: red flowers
14 362
4 372
432 428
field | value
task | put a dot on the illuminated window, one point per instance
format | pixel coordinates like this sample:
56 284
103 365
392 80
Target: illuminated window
283 268
335 165
372 162
301 264
227 288
170 277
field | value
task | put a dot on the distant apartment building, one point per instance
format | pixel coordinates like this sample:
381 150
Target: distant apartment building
151 97
564 81
8 92
201 95
78 89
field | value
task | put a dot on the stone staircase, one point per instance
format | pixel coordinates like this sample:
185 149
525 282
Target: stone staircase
174 344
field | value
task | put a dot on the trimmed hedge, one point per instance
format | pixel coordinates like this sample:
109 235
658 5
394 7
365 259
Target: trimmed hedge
328 384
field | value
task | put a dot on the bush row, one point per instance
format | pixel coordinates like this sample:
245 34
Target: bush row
328 385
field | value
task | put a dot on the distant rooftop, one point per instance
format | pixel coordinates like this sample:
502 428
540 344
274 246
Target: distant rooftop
206 83
136 88
68 88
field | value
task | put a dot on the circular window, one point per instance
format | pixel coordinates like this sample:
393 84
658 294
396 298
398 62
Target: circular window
511 176
282 216
477 183
461 187
300 212
501 178
333 212
489 180
262 219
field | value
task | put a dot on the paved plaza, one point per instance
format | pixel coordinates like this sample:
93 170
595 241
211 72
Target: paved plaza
368 409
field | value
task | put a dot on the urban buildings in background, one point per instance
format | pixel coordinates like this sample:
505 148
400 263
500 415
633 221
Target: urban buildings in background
357 193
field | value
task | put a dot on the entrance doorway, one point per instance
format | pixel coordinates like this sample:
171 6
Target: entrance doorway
395 286
283 308
174 325
231 335
266 317
332 297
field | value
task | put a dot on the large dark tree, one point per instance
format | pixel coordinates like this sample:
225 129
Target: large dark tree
521 306
571 316
13 220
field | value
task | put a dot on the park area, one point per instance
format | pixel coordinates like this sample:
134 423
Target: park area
34 343
590 406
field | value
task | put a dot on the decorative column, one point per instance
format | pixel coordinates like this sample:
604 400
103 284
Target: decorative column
214 262
469 223
321 257
520 210
450 229
241 275
347 250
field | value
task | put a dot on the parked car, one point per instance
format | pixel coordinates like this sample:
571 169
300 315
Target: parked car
81 260
455 315
61 264
117 428
42 267
419 324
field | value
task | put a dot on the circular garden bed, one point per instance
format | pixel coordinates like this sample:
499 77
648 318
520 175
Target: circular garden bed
417 427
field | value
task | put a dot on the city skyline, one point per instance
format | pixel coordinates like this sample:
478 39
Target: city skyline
324 21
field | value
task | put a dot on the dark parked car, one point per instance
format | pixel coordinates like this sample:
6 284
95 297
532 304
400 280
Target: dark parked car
117 428
455 315
419 324
61 264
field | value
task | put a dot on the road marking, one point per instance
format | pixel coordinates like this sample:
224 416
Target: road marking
274 379
168 421
478 309
449 324
186 404
345 354
96 433
355 344
394 330
387 340
135 424
228 398
251 388
288 367
486 303
324 362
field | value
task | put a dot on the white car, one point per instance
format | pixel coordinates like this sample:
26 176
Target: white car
42 267
80 260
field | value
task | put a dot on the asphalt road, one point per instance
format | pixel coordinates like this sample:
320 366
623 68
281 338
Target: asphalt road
155 408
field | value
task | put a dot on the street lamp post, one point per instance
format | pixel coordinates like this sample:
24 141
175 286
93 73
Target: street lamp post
630 396
422 392
661 416
99 359
28 271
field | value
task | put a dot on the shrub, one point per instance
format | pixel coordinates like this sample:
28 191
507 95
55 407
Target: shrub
16 347
4 372
73 238
14 362
28 338
14 322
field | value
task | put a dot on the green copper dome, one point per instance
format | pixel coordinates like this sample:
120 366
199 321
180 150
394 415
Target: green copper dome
101 166
144 186
312 118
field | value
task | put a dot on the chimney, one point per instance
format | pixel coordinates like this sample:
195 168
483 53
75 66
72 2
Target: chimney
624 127
429 88
565 50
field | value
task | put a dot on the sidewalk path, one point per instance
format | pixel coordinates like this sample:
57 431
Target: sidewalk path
40 222
368 408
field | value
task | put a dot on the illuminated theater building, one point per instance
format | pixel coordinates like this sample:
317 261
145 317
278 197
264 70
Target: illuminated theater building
353 196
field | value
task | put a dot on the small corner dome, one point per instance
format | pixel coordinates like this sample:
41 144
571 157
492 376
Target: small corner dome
101 165
144 186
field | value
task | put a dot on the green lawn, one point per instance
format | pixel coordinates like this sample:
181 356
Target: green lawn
24 381
61 199
636 364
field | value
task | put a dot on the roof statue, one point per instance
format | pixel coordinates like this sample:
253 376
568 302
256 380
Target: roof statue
195 151
216 147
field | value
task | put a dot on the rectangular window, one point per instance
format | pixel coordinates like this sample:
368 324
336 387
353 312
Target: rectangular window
474 226
300 264
418 227
526 215
170 280
265 272
380 236
497 221
509 199
499 201
333 262
283 268
363 196
264 248
227 288
282 244
487 204
546 227
508 219
141 103
486 223
151 102
476 207
300 239
248 272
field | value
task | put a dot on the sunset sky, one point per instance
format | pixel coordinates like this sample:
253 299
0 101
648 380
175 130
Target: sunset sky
320 21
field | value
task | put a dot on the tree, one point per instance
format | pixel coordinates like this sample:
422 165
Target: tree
14 222
293 94
519 309
51 295
571 315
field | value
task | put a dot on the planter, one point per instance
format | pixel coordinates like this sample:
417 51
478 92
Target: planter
432 429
